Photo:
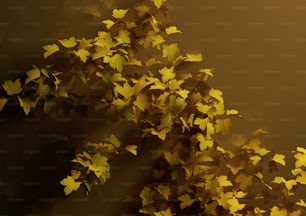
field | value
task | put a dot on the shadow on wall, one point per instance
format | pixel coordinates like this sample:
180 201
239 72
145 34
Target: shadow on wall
35 151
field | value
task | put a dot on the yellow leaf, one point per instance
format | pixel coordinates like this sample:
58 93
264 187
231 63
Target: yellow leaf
50 49
119 13
279 158
108 23
158 3
12 87
123 37
157 40
147 196
234 169
223 182
296 213
234 205
140 84
185 201
162 134
223 126
201 122
208 73
70 185
204 143
217 94
259 132
142 102
275 211
100 167
142 10
175 84
300 157
259 211
232 112
134 61
173 158
172 30
171 52
32 74
2 102
116 61
82 54
100 52
68 43
132 149
183 93
255 159
152 61
167 73
166 212
244 181
75 174
113 140
193 57
302 178
301 203
27 104
164 190
126 90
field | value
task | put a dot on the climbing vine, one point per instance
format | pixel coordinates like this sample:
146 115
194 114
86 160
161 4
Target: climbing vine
132 71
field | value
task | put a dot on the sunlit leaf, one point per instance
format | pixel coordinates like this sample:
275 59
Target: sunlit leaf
141 10
301 203
223 181
166 212
234 169
217 94
164 190
193 57
132 149
158 3
75 174
147 196
152 61
123 37
82 54
172 30
100 166
68 43
171 52
234 205
108 23
232 112
70 185
279 158
255 159
142 102
27 104
32 74
300 157
167 73
173 158
2 102
276 211
204 143
116 61
185 201
119 13
12 87
50 49
301 178
113 140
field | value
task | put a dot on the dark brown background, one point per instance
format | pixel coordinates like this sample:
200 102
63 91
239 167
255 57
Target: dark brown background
258 51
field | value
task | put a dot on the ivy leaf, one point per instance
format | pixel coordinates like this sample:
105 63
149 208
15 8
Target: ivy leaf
172 158
108 23
82 54
27 104
70 185
147 196
166 212
32 74
126 90
68 43
185 201
164 190
2 102
142 102
217 94
158 3
132 149
12 87
142 10
167 73
194 57
223 182
50 49
204 143
119 13
279 158
223 126
100 166
171 52
275 211
234 205
116 61
123 37
300 157
302 178
172 30
113 140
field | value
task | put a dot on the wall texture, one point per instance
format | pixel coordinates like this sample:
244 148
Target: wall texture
257 49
